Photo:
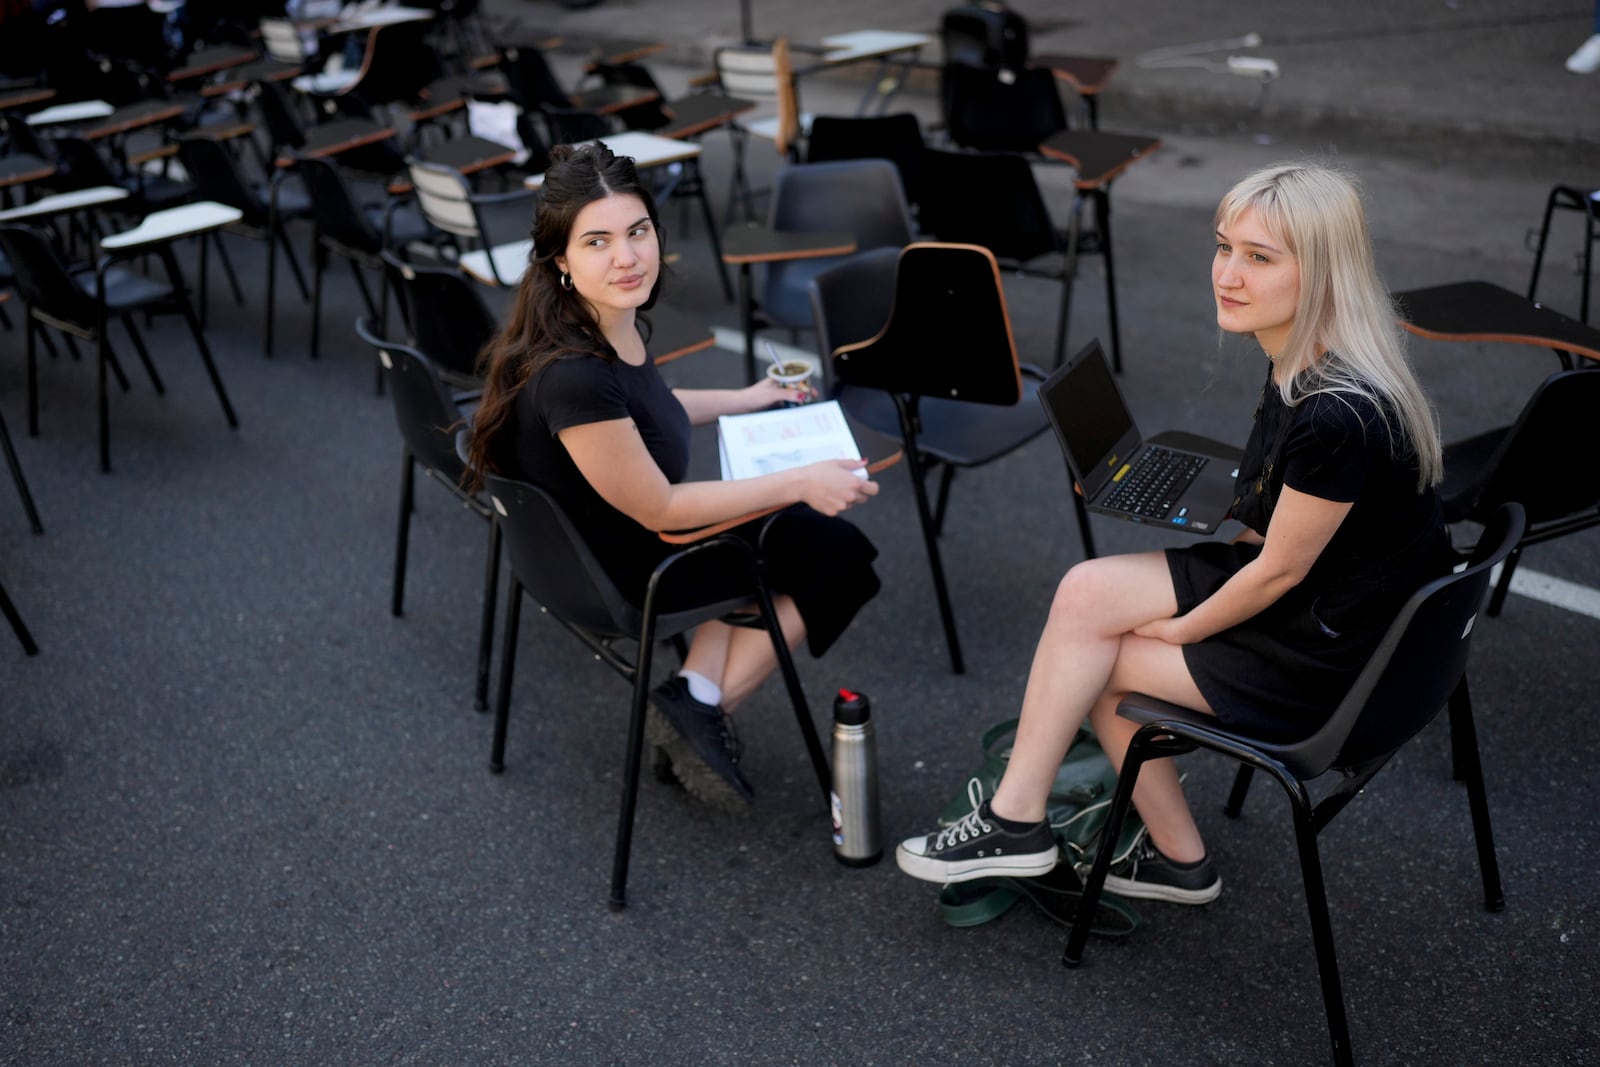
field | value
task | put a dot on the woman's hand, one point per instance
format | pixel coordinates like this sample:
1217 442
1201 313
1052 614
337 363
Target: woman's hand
767 393
1172 631
831 486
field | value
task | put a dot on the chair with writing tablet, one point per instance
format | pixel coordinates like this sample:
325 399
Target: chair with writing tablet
921 347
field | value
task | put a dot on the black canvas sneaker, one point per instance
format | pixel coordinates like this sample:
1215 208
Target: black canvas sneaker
1148 875
978 847
699 740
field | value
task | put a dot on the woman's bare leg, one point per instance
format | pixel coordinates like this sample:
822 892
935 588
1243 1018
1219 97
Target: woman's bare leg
739 659
1096 605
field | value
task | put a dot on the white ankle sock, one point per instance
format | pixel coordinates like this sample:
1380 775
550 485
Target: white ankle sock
702 688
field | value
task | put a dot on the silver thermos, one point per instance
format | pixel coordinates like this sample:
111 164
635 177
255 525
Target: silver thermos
856 840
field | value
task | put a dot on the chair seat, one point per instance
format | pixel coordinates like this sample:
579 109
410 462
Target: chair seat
767 126
505 262
405 225
953 431
126 290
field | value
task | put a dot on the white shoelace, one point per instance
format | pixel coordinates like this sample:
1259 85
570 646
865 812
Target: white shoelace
971 826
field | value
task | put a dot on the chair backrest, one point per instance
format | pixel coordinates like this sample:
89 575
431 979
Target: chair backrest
764 72
282 41
851 302
22 139
446 315
1001 110
897 138
646 116
42 278
1553 423
530 79
445 198
283 125
427 417
84 166
571 125
1013 222
987 35
552 562
1415 668
216 177
861 196
948 334
397 64
338 215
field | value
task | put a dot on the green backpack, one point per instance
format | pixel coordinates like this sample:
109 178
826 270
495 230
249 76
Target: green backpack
1079 805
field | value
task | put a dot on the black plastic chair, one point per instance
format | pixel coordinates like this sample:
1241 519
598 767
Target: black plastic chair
897 138
984 35
1514 463
356 141
922 349
429 417
1015 224
78 305
355 232
445 316
217 177
1417 670
550 560
1001 110
1570 198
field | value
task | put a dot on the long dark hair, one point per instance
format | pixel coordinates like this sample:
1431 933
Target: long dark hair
548 321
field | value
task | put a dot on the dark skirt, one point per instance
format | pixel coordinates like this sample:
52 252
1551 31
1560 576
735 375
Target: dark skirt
1279 676
824 564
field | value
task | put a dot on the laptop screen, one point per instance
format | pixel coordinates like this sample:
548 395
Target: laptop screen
1086 409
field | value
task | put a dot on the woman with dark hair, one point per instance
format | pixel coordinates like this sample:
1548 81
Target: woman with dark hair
572 401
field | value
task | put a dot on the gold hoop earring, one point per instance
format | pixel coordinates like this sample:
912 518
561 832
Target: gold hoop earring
566 281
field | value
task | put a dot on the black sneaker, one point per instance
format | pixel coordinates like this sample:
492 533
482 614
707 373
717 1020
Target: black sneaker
1149 875
977 847
700 741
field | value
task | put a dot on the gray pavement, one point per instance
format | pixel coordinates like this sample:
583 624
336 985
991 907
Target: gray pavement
245 816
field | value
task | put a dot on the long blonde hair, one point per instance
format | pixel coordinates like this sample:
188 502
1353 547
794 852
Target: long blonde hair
1346 336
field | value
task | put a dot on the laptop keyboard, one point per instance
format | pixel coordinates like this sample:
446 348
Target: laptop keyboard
1155 482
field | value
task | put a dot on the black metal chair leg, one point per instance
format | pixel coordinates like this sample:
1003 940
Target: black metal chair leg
1084 532
508 666
17 477
9 610
32 329
1469 765
1121 798
491 586
1241 785
1069 273
930 539
402 537
294 264
635 755
1321 924
144 354
1544 234
1102 222
797 696
227 268
698 189
199 335
319 267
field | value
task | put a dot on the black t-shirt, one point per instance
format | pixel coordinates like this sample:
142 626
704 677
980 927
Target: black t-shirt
587 389
1338 446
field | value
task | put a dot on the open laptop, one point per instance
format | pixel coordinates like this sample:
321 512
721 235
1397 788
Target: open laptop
1120 473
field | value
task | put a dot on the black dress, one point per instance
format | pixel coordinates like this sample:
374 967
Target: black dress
1280 674
824 563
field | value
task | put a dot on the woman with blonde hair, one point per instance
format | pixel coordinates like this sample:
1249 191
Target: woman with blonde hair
1336 491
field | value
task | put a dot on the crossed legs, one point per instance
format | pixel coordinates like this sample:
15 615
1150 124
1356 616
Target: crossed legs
1087 658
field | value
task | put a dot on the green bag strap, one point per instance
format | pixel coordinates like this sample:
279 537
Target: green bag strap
1056 894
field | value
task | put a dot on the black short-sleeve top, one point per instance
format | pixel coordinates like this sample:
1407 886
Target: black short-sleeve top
577 391
1339 446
